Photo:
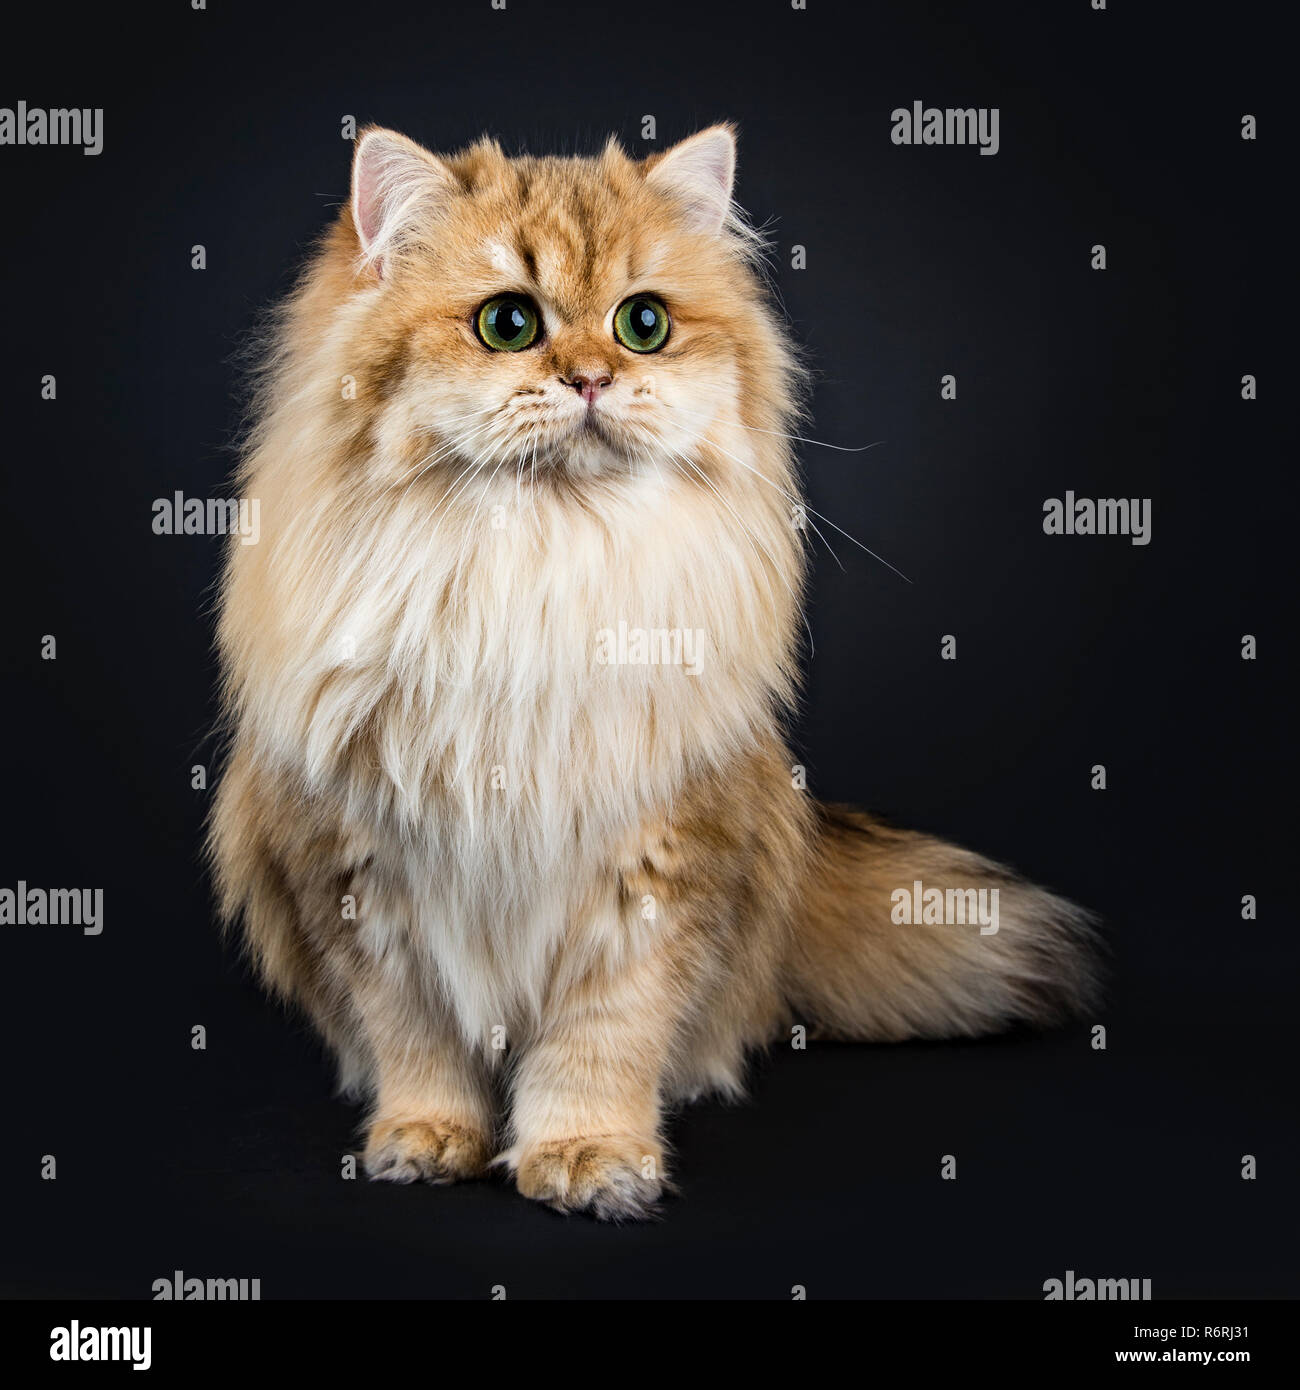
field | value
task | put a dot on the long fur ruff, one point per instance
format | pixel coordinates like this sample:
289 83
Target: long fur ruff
503 876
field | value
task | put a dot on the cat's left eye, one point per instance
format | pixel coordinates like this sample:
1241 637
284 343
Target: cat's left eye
641 323
508 323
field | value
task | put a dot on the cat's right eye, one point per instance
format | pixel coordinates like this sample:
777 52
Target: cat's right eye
508 323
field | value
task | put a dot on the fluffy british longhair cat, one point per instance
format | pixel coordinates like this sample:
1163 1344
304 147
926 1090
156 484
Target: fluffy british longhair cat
508 809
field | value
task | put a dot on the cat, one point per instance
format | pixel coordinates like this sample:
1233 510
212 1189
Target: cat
533 875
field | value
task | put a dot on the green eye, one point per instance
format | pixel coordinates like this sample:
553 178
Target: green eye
642 324
508 323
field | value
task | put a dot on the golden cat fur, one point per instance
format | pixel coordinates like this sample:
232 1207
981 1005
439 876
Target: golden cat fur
531 897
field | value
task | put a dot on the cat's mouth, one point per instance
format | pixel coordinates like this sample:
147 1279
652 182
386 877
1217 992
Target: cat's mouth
590 427
595 438
590 423
586 444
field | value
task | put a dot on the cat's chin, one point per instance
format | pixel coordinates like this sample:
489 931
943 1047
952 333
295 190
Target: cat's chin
589 456
592 451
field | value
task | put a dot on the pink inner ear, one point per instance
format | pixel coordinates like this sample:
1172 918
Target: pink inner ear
699 172
715 166
367 200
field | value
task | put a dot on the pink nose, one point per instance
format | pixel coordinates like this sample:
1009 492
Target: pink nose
589 385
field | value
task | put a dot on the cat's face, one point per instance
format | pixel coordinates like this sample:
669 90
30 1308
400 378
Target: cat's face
528 318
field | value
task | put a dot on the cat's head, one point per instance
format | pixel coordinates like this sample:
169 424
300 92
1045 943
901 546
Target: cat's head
577 317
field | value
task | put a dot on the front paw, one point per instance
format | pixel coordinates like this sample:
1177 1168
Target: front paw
429 1150
614 1177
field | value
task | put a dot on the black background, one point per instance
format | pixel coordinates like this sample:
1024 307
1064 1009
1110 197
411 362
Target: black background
1120 127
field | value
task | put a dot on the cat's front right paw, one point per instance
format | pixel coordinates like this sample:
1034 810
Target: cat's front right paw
429 1150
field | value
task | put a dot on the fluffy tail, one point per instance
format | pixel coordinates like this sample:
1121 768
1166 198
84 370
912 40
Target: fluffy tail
989 950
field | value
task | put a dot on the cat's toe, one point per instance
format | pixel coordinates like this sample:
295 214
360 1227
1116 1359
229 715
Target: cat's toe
433 1150
611 1177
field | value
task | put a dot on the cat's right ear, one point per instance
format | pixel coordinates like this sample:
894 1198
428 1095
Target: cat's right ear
394 182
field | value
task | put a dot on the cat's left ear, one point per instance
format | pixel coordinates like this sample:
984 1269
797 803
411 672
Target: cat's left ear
698 172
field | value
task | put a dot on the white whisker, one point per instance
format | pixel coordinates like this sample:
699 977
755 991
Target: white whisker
780 434
753 540
812 511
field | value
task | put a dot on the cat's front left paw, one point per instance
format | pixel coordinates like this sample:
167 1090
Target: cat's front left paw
613 1177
